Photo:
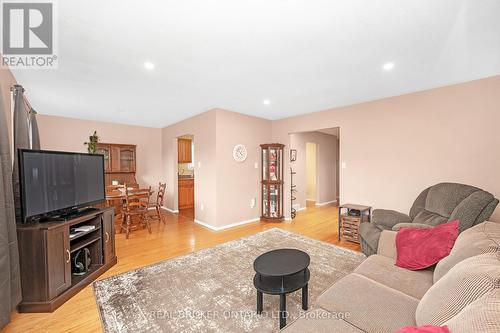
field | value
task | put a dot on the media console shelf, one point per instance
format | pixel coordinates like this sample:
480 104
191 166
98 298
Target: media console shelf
46 252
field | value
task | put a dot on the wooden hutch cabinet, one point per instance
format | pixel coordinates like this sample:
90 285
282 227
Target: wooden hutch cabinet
272 182
119 162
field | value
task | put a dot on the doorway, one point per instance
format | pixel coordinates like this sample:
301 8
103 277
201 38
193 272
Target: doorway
315 166
186 176
311 174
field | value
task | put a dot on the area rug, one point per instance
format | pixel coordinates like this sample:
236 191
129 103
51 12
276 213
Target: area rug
212 290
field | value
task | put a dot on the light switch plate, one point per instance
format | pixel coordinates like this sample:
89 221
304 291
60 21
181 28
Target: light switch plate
344 165
252 203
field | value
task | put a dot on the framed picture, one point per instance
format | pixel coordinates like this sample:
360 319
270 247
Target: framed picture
293 155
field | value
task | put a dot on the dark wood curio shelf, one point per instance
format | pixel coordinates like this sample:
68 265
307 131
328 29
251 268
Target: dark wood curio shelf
272 182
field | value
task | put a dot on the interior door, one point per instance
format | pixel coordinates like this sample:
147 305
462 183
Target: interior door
58 260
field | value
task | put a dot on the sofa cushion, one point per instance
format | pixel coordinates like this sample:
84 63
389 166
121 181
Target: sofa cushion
482 315
387 244
398 226
426 217
320 321
370 233
388 218
369 305
481 238
464 283
469 210
382 269
444 197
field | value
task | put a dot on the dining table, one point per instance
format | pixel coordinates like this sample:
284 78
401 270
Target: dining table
114 195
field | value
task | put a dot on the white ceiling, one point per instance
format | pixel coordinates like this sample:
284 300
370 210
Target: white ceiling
303 55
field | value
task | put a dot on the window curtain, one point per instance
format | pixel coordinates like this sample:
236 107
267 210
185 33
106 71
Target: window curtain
10 283
25 137
25 130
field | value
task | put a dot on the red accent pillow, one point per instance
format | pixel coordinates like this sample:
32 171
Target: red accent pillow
424 329
422 248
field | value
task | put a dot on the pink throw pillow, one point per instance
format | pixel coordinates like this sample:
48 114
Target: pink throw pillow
422 248
424 329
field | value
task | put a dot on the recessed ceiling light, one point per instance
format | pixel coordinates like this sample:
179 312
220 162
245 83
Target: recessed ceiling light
266 102
149 65
388 66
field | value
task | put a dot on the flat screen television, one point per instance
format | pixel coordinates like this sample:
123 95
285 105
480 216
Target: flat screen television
55 185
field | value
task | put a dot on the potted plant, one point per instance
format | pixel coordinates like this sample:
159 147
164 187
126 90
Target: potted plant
92 144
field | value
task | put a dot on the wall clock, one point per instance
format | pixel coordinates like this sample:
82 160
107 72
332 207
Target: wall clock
239 153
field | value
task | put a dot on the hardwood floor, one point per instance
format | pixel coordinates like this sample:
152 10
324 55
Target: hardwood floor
188 212
179 236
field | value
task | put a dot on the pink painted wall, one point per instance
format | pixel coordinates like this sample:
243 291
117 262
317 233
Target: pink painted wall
239 183
202 127
69 134
223 186
326 162
395 147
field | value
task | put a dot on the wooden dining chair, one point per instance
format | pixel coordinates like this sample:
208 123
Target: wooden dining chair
155 212
136 206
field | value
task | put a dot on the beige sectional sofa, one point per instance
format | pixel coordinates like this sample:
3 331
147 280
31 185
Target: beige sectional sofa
462 291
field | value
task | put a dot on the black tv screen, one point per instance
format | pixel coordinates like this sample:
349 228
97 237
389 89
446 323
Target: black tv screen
56 181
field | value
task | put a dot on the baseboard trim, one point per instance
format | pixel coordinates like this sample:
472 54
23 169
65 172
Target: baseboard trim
301 208
211 227
326 203
170 210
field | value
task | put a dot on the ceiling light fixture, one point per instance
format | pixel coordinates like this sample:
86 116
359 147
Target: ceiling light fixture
149 65
266 102
388 66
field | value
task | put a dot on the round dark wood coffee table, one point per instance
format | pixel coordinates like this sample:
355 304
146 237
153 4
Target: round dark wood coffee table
280 272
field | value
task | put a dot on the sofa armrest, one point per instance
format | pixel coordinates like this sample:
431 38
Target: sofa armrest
389 218
411 225
387 244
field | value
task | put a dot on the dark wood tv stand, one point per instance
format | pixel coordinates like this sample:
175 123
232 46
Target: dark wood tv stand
46 252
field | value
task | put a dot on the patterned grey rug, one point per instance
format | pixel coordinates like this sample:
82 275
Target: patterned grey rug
212 290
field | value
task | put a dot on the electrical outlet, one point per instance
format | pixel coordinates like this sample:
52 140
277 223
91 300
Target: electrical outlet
202 207
252 203
256 165
344 165
199 164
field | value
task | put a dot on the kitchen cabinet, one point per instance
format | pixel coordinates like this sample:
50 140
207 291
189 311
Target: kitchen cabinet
184 151
186 193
